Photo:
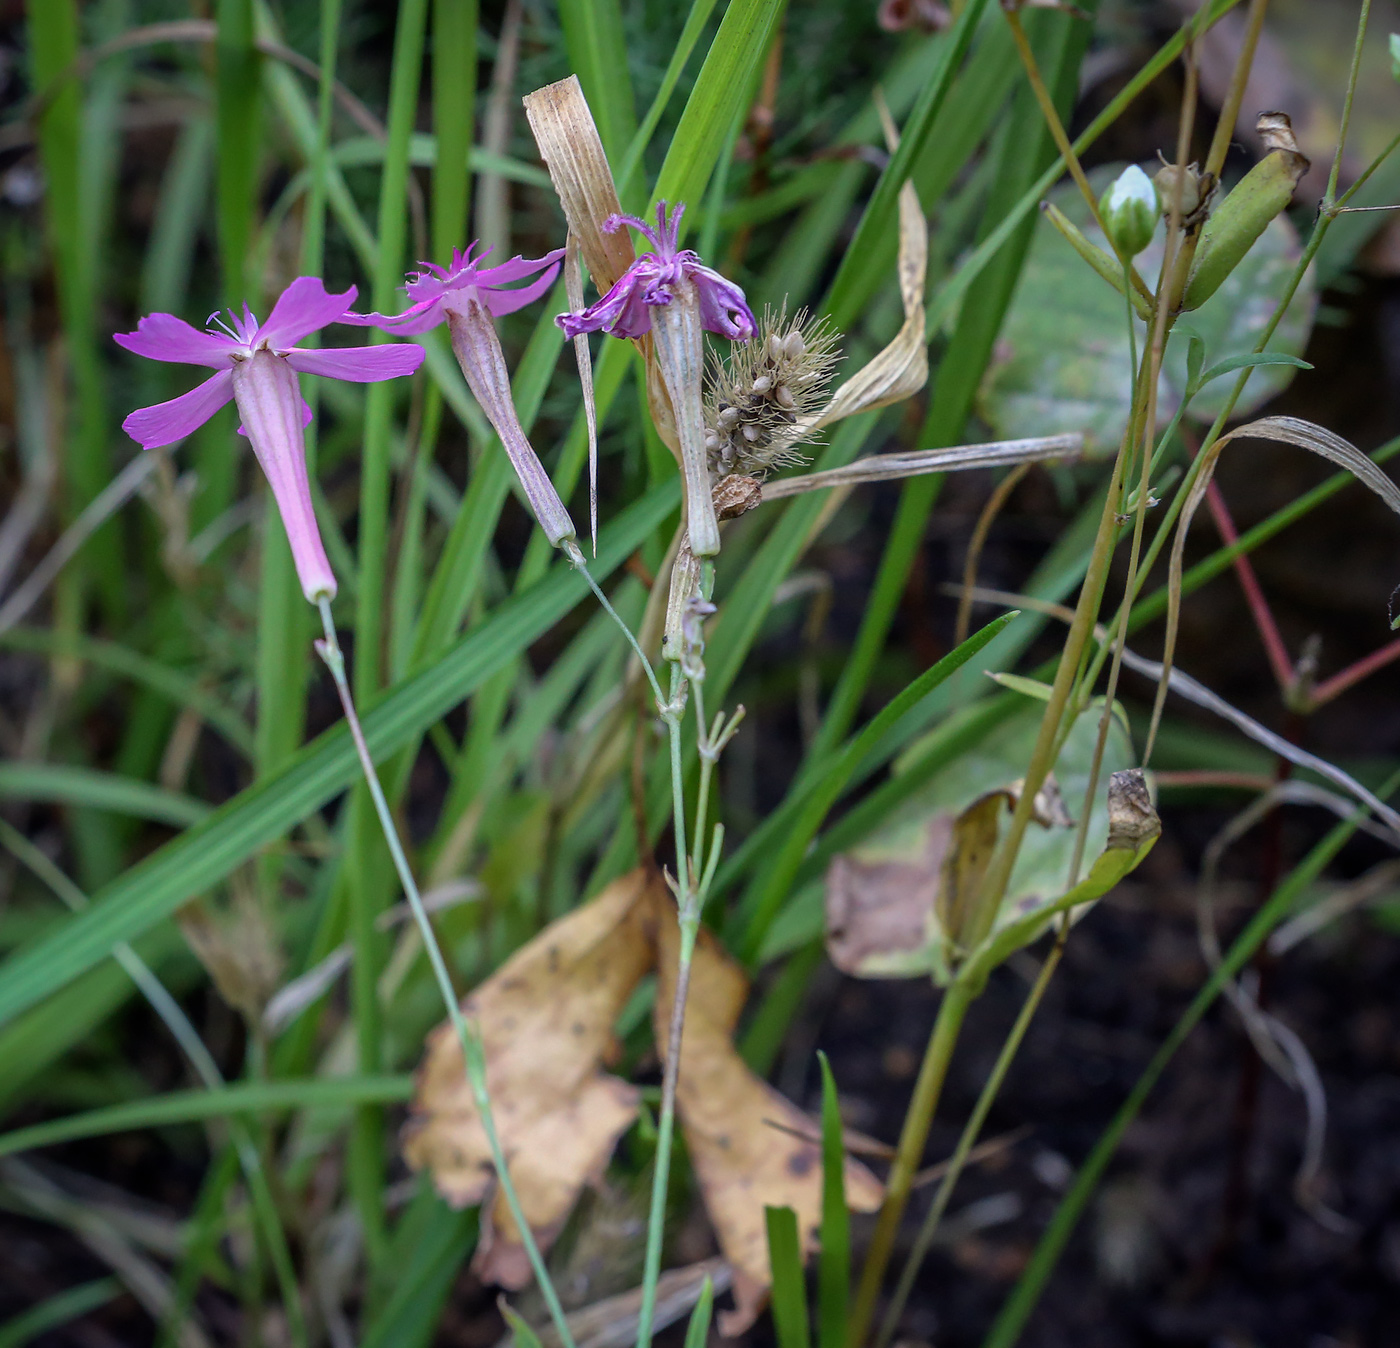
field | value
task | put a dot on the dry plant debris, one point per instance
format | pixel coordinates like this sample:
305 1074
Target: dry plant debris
546 1019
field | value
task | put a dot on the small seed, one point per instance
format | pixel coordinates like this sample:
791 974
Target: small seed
729 418
763 383
775 347
711 440
783 396
794 346
751 433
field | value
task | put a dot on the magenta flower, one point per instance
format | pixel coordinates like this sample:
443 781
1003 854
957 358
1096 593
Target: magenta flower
257 368
467 297
653 279
438 291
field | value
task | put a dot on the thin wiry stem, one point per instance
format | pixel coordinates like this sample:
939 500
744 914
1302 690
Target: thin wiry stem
971 1131
473 1054
1361 23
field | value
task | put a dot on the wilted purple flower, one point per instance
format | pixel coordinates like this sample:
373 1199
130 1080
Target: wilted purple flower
672 295
653 279
257 368
467 296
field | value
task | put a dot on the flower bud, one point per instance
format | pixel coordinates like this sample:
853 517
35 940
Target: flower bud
1130 208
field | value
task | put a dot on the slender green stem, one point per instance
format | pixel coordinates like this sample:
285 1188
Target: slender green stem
970 1133
928 1088
473 1055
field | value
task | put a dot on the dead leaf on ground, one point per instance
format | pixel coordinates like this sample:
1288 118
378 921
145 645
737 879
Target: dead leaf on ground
546 1019
741 1161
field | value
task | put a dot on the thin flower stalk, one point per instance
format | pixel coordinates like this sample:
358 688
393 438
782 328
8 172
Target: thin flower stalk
256 367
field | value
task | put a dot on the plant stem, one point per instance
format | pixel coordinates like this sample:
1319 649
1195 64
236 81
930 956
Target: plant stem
958 1161
913 1136
473 1054
688 921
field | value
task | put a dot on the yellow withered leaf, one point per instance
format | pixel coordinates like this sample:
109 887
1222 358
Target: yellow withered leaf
750 1146
545 1019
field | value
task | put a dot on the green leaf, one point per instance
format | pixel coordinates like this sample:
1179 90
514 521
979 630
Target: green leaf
697 1332
1246 362
723 83
834 1269
207 853
64 785
521 1335
789 1286
57 1310
247 1097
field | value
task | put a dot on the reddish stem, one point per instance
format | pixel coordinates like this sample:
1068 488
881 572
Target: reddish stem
1363 668
1253 592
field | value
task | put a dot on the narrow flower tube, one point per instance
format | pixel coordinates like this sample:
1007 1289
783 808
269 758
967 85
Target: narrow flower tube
669 293
257 367
467 296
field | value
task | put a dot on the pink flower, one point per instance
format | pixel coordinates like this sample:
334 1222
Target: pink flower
625 311
257 368
468 297
437 291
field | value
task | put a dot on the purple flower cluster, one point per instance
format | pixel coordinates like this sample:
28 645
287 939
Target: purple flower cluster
257 364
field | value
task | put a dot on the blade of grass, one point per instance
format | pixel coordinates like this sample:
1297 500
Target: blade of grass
596 42
735 55
789 1288
58 1310
834 1270
61 784
244 1097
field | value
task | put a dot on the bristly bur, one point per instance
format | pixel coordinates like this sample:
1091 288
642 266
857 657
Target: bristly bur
672 295
761 398
257 366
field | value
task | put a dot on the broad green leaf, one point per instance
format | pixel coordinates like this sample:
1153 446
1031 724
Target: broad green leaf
207 853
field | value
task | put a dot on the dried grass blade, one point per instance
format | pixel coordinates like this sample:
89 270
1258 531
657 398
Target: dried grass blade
1287 430
572 151
884 467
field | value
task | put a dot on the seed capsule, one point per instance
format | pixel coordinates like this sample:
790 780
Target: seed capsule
783 396
763 383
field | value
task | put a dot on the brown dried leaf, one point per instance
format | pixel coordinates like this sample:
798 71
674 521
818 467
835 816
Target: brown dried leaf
545 1019
568 140
742 1161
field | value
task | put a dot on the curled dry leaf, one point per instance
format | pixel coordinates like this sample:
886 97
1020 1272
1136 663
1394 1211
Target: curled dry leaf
742 1160
546 1020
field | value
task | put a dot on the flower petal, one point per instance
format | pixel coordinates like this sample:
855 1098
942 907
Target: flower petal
165 337
723 308
622 312
516 269
418 318
304 307
358 364
508 301
166 423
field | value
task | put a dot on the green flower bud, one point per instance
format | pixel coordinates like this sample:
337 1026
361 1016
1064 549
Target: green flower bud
1130 209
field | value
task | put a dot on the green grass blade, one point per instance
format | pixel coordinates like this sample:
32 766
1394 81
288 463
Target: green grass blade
596 43
724 81
60 784
697 1332
454 101
244 1097
203 856
1006 1330
769 888
237 85
874 236
57 1310
834 1270
789 1286
424 1273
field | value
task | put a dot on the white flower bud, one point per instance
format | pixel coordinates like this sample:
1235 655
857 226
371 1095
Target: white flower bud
1130 209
